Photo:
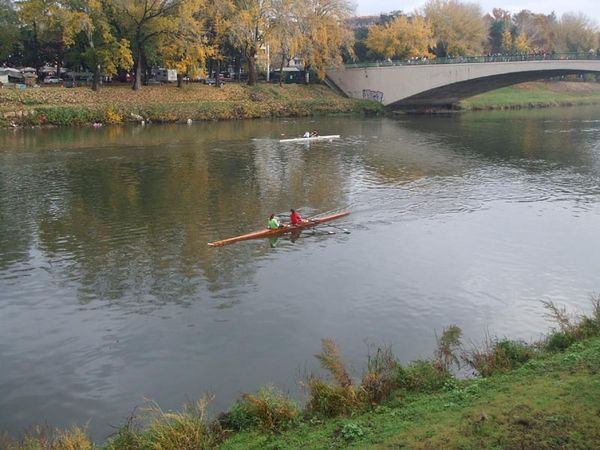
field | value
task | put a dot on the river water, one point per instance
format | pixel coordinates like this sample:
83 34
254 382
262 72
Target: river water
109 293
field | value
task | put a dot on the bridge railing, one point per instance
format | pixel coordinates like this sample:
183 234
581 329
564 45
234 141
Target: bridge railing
479 59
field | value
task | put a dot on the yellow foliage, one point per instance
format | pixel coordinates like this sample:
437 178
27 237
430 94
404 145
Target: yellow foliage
324 38
112 116
458 26
401 38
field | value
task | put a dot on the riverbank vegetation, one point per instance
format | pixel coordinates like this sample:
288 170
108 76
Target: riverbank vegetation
79 106
540 94
137 42
520 395
453 29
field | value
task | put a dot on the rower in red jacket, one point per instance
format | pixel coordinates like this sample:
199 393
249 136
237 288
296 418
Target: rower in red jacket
295 218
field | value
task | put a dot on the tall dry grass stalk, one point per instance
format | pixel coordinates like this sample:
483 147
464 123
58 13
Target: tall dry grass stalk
559 316
448 346
595 299
43 438
186 430
380 378
332 361
269 409
483 358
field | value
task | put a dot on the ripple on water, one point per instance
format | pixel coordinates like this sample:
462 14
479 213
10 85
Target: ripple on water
107 283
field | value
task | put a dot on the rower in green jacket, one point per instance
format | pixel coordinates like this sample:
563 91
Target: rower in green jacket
273 223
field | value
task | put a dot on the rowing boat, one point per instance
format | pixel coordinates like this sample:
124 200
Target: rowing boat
312 138
279 231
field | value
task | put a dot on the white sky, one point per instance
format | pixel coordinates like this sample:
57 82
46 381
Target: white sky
589 7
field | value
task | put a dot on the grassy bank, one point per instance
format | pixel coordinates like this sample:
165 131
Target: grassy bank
543 395
116 104
550 402
540 94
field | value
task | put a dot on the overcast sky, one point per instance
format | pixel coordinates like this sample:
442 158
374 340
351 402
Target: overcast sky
589 7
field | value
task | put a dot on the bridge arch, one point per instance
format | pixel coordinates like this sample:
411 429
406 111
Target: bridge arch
417 86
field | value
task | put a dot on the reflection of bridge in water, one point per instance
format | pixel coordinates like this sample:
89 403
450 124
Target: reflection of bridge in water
443 82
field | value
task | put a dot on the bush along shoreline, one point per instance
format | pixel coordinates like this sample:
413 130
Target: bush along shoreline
58 106
541 395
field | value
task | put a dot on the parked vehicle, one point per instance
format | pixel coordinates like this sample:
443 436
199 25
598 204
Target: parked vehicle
52 80
213 81
123 77
166 75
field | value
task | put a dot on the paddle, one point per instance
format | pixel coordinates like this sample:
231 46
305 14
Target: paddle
344 230
315 221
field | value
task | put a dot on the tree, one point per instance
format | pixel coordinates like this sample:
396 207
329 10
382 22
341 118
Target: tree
219 14
401 38
324 33
52 26
458 28
187 49
540 29
576 33
141 22
285 39
501 31
103 52
10 43
251 30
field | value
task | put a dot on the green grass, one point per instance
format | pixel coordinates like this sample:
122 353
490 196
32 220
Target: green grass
550 402
536 95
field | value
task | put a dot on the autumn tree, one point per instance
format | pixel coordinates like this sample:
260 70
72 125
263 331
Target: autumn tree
104 52
48 24
458 28
324 35
188 48
403 37
285 39
251 30
576 33
505 36
218 20
540 29
500 24
10 44
142 23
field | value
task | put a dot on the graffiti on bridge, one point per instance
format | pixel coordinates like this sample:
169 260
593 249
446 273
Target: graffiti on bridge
376 96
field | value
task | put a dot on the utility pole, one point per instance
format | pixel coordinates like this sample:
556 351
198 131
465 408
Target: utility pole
268 64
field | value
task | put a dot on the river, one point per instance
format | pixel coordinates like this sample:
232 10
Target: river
109 294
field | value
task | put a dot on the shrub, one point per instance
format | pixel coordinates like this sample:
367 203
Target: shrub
41 438
268 410
571 329
422 376
558 341
112 116
498 356
328 400
379 380
352 431
447 346
63 116
186 430
516 352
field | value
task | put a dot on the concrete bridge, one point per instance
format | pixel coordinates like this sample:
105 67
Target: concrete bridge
442 83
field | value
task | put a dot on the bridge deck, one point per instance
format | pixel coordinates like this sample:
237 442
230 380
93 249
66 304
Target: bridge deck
443 82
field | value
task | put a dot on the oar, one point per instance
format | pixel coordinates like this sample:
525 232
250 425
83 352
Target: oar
344 230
